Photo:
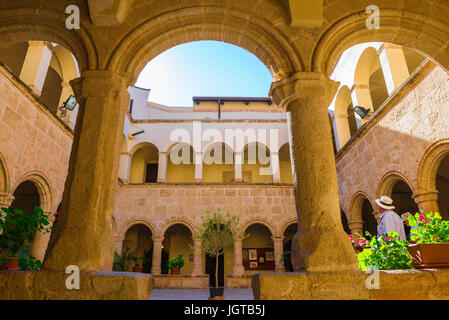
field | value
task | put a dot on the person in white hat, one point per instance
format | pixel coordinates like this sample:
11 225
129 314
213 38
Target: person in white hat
389 220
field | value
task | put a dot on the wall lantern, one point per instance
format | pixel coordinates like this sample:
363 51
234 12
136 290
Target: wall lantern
70 104
362 112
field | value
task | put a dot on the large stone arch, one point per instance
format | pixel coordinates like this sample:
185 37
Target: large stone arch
182 221
270 226
430 162
134 221
286 225
4 175
43 186
23 24
355 211
388 181
402 26
176 27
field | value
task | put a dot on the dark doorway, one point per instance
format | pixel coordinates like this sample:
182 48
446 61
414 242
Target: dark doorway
210 270
288 256
151 176
370 222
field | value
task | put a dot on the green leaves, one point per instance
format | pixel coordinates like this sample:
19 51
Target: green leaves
176 262
429 228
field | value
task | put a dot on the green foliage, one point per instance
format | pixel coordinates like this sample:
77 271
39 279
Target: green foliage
121 263
428 228
176 262
18 231
380 254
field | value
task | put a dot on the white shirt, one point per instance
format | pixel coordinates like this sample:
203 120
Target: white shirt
391 222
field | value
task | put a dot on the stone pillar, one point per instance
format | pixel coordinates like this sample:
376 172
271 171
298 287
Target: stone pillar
125 165
198 166
275 169
238 161
394 66
5 202
307 95
35 67
83 235
157 252
40 242
427 201
197 261
356 230
239 270
278 254
118 244
162 167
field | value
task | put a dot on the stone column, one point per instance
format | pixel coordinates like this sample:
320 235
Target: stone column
40 242
157 252
321 243
83 235
239 270
275 169
35 67
5 202
427 201
356 230
394 66
198 166
278 254
238 161
197 261
125 164
118 244
162 167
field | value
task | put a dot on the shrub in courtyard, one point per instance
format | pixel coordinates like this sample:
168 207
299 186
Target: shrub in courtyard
176 264
428 228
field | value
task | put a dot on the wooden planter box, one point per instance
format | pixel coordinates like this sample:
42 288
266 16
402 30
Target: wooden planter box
430 255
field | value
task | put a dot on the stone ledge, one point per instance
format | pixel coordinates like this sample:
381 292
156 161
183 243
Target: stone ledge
238 281
187 281
50 285
350 285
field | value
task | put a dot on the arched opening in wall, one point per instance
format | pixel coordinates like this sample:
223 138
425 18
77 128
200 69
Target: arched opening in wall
371 88
345 119
218 163
289 233
258 249
177 241
144 164
403 201
26 198
369 221
413 59
13 56
344 222
138 248
285 164
256 164
181 163
442 184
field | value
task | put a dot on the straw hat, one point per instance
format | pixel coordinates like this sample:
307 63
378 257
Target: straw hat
385 202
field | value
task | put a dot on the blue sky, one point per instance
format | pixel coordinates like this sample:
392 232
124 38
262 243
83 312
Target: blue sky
204 68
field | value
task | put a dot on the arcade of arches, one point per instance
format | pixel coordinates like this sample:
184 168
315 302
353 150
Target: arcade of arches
317 169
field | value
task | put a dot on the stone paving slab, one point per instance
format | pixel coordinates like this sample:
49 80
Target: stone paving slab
199 294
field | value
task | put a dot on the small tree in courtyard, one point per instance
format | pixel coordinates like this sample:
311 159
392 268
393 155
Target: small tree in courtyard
217 232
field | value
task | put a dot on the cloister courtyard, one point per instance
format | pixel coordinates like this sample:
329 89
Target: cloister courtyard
356 111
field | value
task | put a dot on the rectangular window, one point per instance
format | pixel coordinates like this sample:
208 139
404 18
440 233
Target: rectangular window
151 175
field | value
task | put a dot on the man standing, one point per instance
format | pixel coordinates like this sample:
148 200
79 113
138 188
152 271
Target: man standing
389 220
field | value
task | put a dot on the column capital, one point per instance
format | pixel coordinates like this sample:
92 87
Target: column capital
359 87
118 238
6 199
355 224
424 196
303 85
157 239
277 238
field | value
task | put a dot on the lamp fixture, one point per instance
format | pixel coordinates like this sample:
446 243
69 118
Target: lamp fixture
362 112
70 104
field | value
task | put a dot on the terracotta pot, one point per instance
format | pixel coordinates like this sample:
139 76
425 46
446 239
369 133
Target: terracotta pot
13 264
138 269
176 270
429 254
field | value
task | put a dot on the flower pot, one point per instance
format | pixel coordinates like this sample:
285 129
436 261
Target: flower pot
175 270
138 269
216 292
425 255
13 264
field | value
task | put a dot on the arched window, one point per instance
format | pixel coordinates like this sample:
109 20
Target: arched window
144 164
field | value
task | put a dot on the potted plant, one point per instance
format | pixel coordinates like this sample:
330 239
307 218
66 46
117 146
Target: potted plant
122 262
18 231
176 264
431 240
380 254
216 233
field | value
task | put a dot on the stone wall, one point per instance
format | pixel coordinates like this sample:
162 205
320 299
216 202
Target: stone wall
395 140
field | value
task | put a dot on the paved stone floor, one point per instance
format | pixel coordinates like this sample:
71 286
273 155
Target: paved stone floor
199 294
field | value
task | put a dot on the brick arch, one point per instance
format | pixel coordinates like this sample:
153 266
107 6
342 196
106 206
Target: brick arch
42 185
389 180
204 22
429 165
271 227
23 24
135 221
355 211
4 175
399 26
183 221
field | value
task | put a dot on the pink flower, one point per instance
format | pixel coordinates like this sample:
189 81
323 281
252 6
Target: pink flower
351 237
6 267
57 214
421 218
362 242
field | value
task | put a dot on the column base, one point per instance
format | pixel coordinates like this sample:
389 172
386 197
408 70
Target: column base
393 285
51 285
